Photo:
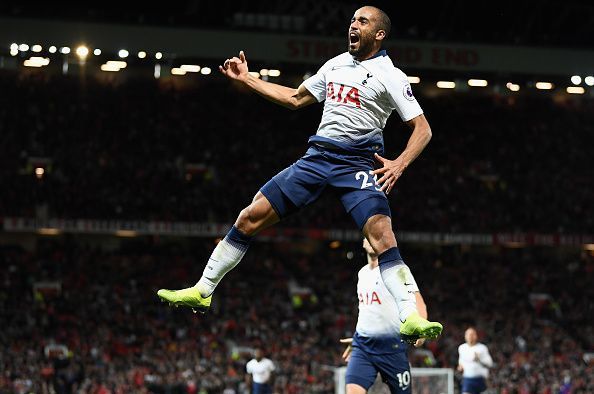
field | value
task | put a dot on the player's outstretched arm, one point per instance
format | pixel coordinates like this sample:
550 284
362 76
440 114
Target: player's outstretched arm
236 68
392 169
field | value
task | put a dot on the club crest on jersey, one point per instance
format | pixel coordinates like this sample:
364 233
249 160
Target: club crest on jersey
407 92
343 94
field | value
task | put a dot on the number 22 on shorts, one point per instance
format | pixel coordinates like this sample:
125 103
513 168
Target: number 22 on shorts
365 179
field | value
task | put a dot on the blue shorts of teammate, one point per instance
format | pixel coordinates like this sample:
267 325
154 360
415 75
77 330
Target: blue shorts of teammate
394 369
473 385
261 388
348 175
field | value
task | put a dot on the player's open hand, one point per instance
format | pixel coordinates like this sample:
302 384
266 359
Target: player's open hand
235 68
346 356
390 172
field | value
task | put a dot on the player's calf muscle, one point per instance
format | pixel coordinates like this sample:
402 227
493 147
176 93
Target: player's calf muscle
378 231
256 216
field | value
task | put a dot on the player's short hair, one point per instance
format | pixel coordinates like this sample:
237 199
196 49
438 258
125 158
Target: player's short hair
384 22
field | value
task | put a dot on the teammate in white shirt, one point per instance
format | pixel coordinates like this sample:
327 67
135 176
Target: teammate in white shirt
474 362
377 346
360 89
260 373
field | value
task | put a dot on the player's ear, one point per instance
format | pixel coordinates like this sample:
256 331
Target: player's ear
380 34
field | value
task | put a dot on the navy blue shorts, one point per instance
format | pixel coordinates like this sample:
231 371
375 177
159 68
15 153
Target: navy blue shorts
348 175
394 369
473 385
261 388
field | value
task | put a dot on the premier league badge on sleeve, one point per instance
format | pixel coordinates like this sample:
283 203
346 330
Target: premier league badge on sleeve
407 92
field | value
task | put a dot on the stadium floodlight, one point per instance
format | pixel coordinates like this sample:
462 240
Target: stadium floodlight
126 233
589 80
65 50
36 61
23 47
576 90
14 53
157 71
97 52
39 171
117 63
205 70
178 71
158 55
264 72
190 68
478 82
412 79
274 73
123 53
576 79
14 46
109 68
544 85
36 48
141 54
255 74
514 87
446 84
52 49
82 52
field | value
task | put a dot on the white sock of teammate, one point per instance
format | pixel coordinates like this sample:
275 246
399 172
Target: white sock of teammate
399 281
226 255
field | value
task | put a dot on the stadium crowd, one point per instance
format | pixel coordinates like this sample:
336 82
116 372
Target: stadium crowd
78 318
144 149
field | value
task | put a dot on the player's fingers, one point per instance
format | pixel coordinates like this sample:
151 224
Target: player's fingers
384 178
380 170
235 60
226 64
379 158
346 340
242 56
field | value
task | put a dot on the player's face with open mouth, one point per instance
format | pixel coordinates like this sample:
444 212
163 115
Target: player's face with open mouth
361 34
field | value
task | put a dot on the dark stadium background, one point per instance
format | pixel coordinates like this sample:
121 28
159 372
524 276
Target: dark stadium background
114 184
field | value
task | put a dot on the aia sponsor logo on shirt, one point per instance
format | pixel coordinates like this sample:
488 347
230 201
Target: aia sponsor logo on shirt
369 298
343 94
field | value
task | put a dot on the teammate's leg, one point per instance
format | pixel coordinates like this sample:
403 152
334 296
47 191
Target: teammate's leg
353 388
398 279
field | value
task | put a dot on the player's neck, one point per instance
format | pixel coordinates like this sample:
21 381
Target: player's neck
372 261
369 55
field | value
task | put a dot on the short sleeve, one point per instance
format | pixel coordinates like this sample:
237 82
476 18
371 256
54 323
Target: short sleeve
271 366
316 84
401 96
248 367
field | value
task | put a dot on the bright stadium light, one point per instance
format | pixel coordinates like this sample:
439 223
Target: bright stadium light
36 61
190 68
52 49
109 68
158 55
576 90
589 80
97 52
39 171
117 63
65 50
255 74
264 72
178 71
576 79
23 47
544 85
14 53
157 71
141 54
514 87
446 84
478 82
36 48
205 70
123 53
412 79
14 46
274 73
82 52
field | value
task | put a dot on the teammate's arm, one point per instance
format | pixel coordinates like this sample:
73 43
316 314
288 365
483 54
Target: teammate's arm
422 309
237 69
392 169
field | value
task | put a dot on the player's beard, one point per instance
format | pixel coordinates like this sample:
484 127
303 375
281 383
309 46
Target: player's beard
364 49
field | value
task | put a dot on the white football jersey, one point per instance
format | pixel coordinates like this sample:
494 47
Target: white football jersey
378 311
360 96
260 370
472 367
